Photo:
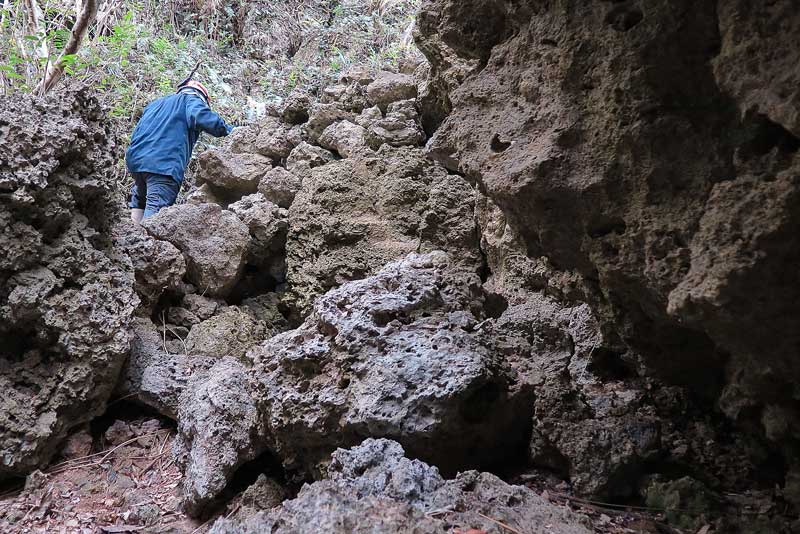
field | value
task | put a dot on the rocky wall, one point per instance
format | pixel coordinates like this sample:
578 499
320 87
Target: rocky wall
66 297
648 151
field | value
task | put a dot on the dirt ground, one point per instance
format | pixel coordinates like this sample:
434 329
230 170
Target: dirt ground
130 485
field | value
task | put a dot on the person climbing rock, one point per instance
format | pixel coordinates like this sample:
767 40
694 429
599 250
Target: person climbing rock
162 144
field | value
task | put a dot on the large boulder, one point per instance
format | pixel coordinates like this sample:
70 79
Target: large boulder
268 225
353 216
213 241
395 355
653 152
231 172
279 186
155 376
344 137
390 87
322 116
66 297
158 266
306 156
374 488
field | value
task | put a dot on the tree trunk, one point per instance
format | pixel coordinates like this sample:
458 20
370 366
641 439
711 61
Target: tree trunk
56 69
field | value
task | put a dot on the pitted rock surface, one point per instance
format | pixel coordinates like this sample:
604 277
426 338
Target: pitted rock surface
213 241
597 131
353 216
392 355
233 172
66 300
158 266
373 488
155 377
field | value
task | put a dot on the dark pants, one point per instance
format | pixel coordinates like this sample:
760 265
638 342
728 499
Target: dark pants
151 192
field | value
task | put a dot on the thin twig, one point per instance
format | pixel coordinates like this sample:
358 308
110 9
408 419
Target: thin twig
510 529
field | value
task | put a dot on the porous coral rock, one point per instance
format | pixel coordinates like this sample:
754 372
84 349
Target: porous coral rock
355 215
390 87
279 186
213 241
230 172
374 488
344 137
584 126
66 299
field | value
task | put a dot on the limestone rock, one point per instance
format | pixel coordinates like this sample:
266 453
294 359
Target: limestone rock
756 61
279 186
344 137
201 306
268 225
595 149
235 174
350 96
389 87
360 74
157 265
355 215
273 139
66 296
205 195
155 377
369 116
374 488
213 241
395 131
392 355
217 421
322 116
307 156
229 333
295 107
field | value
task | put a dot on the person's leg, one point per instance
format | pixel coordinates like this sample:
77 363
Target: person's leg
138 197
162 191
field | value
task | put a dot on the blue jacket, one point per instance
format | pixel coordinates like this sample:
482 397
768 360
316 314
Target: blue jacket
165 136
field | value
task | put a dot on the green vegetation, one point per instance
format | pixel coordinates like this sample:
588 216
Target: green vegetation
253 52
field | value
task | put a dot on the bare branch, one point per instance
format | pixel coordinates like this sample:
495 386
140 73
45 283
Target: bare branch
56 69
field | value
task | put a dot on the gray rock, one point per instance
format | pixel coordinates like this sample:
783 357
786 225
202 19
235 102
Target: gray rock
344 137
349 96
157 265
322 116
268 225
182 317
66 295
217 421
360 74
368 116
230 172
377 357
155 376
205 195
295 107
201 306
355 215
390 87
273 139
231 332
279 186
374 488
213 241
597 155
306 156
395 131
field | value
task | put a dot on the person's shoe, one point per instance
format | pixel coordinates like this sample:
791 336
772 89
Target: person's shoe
137 215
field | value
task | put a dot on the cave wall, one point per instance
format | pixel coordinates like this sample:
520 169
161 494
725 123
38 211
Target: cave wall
650 150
